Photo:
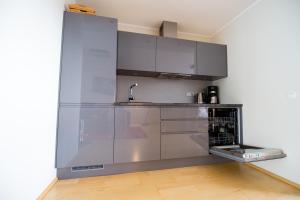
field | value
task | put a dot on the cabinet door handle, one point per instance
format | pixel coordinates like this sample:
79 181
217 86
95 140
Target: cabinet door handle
81 130
81 125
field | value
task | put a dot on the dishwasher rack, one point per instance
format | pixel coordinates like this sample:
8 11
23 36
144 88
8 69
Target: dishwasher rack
223 127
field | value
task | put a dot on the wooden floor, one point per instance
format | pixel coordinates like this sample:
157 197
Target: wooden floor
229 181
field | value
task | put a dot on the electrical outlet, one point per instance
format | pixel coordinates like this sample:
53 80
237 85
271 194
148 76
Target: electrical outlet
190 94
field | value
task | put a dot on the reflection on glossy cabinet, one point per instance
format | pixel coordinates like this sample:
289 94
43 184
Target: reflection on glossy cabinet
88 61
136 51
85 136
184 113
184 126
176 56
137 134
184 145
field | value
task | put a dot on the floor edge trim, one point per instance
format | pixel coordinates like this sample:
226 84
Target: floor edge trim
47 189
280 178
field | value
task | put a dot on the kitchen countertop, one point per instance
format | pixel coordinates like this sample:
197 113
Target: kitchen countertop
176 104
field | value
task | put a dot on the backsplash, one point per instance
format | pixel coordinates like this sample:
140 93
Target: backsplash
159 90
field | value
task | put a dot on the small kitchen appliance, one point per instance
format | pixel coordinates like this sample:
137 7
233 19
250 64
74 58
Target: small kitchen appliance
199 99
212 95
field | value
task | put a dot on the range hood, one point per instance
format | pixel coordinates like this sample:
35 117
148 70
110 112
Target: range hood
168 29
174 75
166 75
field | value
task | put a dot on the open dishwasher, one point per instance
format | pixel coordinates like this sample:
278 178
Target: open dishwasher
225 138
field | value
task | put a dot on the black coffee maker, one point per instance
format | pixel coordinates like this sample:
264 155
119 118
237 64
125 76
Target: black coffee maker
212 95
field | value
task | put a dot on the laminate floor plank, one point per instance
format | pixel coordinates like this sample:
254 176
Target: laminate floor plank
226 181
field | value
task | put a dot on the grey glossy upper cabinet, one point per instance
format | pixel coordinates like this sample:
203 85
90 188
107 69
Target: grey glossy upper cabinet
88 60
176 56
136 51
85 136
211 59
137 134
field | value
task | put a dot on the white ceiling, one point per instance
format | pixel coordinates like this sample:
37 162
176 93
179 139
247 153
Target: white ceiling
203 17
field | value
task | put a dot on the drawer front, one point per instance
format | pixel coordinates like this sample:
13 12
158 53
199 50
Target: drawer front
184 113
200 125
184 145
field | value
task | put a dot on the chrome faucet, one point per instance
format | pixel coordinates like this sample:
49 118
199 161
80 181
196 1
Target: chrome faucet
131 97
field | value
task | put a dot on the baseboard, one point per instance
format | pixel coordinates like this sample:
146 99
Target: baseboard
120 168
280 178
47 189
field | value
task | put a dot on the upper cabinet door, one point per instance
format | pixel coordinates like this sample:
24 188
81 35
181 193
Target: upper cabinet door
211 59
176 56
88 63
136 51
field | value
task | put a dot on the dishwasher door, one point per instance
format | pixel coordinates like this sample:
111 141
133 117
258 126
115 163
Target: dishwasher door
245 153
226 138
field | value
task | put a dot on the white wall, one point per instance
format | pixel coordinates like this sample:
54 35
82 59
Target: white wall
30 38
155 31
264 69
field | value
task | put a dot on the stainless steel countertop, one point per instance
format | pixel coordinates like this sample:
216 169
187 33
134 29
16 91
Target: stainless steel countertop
176 104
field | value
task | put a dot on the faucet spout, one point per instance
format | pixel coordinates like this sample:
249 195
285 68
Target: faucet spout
130 96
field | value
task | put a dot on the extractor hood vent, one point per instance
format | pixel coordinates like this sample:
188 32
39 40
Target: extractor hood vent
168 29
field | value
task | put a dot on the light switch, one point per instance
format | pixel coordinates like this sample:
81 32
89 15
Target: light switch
292 95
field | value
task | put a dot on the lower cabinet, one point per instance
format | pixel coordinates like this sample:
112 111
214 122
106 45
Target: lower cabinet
184 132
85 136
137 134
184 145
96 135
